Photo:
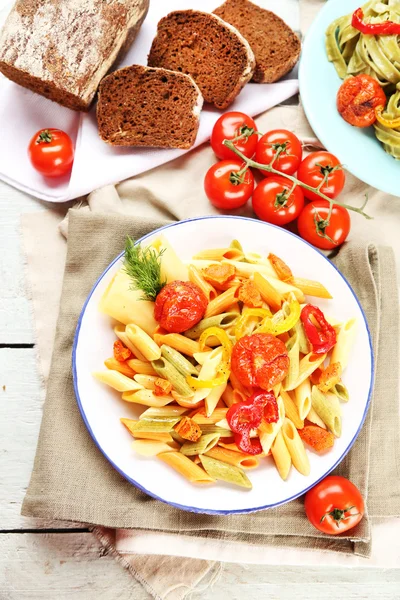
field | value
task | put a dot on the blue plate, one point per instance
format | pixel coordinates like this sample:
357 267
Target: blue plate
358 149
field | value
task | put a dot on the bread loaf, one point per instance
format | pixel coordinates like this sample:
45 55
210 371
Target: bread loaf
143 106
63 48
202 45
275 45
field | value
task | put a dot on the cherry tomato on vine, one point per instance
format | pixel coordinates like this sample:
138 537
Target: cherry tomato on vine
232 125
51 152
281 149
320 166
313 227
334 505
226 186
357 99
274 202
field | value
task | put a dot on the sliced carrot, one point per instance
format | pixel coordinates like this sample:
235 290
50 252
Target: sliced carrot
319 439
250 296
281 268
121 352
219 274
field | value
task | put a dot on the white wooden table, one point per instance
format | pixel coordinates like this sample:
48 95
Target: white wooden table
52 560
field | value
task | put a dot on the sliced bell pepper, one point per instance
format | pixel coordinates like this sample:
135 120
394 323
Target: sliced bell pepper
383 28
223 368
249 312
269 325
322 339
389 123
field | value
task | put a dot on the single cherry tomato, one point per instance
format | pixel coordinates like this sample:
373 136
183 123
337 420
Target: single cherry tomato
313 225
51 152
179 306
274 202
232 125
281 149
334 505
226 186
357 99
260 360
320 167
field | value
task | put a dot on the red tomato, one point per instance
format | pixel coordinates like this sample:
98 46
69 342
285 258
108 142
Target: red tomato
315 168
51 152
179 306
313 227
229 126
260 360
281 149
357 99
334 505
225 188
272 201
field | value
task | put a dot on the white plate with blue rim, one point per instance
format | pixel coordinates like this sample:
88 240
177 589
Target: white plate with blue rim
102 408
358 150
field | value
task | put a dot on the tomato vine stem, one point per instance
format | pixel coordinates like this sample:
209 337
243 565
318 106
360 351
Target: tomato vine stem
251 163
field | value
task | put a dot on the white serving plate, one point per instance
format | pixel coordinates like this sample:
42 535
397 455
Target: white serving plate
102 408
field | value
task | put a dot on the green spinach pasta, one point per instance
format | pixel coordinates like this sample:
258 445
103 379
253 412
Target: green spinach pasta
353 53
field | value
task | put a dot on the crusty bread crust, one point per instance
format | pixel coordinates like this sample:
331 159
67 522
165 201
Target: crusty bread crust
275 45
170 50
62 49
147 106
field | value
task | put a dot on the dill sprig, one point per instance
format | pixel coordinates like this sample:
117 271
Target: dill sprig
144 268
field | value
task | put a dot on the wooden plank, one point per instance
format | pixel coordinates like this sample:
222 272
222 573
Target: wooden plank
20 416
48 566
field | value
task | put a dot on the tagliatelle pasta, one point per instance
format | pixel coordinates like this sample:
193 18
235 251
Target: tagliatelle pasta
231 392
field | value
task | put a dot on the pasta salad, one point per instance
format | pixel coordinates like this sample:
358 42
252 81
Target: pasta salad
230 362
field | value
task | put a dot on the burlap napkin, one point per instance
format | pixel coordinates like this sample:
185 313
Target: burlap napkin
80 485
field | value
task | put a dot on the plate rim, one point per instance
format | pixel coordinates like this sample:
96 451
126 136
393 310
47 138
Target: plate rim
195 509
309 40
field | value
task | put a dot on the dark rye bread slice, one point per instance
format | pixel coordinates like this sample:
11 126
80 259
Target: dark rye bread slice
142 106
213 52
275 45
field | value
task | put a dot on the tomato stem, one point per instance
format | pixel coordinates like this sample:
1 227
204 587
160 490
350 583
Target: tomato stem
44 137
251 163
339 515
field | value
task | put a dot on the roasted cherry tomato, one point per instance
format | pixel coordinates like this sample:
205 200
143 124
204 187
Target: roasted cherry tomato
357 99
232 125
274 202
260 360
179 306
334 505
281 149
314 228
318 167
226 187
51 152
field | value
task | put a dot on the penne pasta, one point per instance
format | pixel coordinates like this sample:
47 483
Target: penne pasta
208 372
211 428
196 277
121 367
281 455
219 254
117 380
293 348
311 288
143 342
163 412
307 366
153 447
268 431
146 398
201 418
269 293
167 370
172 268
147 381
221 303
344 343
296 448
120 332
291 411
183 465
302 398
148 426
147 435
314 418
225 472
223 320
247 269
341 391
179 342
181 364
141 367
213 398
327 407
203 445
304 345
237 459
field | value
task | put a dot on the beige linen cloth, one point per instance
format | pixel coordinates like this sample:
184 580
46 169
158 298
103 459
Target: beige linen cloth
72 481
